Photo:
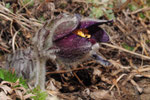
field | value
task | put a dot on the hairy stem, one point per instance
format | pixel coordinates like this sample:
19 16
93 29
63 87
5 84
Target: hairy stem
40 74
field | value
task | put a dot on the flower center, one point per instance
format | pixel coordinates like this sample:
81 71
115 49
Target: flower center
82 32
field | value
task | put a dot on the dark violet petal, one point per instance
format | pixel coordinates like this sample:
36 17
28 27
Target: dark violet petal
72 41
72 48
87 22
66 25
100 36
104 37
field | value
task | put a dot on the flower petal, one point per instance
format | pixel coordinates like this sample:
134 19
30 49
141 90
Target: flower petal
98 34
104 36
72 48
65 25
87 22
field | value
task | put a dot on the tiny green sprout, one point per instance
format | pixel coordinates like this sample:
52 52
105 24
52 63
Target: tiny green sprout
142 15
124 45
1 75
19 33
29 2
40 95
110 13
41 19
96 12
123 1
7 5
147 41
132 7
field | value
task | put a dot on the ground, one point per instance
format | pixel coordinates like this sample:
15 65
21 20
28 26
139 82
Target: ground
128 78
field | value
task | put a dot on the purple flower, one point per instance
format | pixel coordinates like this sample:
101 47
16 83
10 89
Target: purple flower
76 36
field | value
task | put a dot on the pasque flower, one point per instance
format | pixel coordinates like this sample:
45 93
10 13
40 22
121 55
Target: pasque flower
67 39
69 36
78 39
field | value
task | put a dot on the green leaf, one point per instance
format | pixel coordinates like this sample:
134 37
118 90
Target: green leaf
11 77
111 16
123 1
96 12
132 7
2 75
41 18
7 5
147 41
124 45
142 15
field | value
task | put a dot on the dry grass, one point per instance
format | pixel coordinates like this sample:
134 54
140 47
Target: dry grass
129 28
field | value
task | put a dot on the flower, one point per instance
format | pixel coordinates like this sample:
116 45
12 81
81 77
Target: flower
75 38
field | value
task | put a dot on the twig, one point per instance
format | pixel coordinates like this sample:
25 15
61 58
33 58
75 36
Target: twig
125 50
117 81
136 85
116 10
67 71
78 79
24 6
140 10
5 49
142 69
130 76
13 40
21 20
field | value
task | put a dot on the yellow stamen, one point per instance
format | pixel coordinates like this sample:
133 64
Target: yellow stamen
88 35
82 33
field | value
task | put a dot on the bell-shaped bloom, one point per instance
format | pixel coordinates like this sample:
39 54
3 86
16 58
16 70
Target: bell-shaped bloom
69 37
75 37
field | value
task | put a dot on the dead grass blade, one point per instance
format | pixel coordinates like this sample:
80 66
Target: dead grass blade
125 50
